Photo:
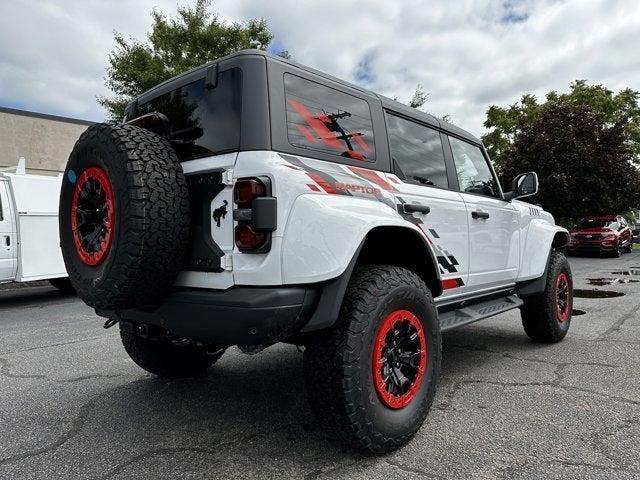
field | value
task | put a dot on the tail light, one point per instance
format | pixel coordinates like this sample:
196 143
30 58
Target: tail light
255 213
249 239
247 189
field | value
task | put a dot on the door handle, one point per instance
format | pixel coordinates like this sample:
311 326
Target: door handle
415 208
478 214
7 241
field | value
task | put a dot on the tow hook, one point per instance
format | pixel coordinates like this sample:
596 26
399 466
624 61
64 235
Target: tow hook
109 323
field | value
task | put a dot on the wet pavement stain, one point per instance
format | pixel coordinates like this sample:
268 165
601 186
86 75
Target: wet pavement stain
631 271
610 281
586 293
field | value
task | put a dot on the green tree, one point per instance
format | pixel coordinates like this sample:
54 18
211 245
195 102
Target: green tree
583 156
175 45
506 124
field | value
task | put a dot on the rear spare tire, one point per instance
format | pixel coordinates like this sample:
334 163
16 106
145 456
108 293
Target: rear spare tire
124 216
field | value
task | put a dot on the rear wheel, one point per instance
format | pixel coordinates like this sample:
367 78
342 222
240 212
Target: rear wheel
546 317
629 247
372 377
168 356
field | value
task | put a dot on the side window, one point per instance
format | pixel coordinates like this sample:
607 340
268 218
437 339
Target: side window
473 171
416 152
327 120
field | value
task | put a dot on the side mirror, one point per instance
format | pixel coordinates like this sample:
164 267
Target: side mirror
524 185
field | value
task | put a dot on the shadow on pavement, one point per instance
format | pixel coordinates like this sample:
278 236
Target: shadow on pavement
30 296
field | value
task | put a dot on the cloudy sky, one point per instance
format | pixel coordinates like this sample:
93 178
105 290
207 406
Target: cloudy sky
468 54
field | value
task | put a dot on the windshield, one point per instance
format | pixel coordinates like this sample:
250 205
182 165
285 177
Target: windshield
597 223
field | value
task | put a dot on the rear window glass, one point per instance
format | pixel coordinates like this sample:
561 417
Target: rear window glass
203 121
326 120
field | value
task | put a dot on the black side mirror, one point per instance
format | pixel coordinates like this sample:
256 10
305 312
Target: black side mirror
524 185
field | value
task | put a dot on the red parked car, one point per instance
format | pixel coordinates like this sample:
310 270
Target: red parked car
601 233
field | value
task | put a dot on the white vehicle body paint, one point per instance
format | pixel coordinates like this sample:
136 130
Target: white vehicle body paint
29 236
325 210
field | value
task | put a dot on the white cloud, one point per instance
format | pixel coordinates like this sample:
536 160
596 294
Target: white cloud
467 54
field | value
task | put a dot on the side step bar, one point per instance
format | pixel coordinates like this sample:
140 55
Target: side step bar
477 311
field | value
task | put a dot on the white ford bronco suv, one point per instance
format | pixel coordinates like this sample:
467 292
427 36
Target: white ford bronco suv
253 201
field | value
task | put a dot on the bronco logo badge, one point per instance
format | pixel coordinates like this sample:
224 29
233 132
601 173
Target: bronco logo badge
220 212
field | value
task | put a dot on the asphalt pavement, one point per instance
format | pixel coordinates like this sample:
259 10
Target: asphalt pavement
73 405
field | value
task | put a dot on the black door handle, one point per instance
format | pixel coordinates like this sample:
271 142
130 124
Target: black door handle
478 214
7 241
415 207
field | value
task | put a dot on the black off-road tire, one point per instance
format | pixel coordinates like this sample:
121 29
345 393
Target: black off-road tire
62 284
539 313
629 248
168 358
617 253
338 362
151 226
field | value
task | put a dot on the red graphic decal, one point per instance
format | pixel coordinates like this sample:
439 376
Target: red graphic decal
450 283
306 133
326 186
393 180
373 177
355 155
358 138
313 187
316 125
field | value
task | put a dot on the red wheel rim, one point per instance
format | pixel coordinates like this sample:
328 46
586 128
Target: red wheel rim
93 216
399 358
563 297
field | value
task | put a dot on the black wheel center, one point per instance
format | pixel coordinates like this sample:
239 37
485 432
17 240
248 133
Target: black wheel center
401 358
92 215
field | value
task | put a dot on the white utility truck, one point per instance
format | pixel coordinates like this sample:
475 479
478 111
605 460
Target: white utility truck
29 238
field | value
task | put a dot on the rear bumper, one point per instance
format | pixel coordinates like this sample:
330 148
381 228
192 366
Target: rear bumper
238 316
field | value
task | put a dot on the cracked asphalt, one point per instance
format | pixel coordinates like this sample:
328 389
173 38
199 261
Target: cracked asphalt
72 404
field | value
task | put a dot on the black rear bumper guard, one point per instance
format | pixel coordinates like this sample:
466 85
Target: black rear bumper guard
244 315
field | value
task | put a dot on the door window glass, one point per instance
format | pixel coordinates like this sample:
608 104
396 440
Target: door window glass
416 152
474 174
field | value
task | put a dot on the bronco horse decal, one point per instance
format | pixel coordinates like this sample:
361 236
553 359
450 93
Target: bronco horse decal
220 212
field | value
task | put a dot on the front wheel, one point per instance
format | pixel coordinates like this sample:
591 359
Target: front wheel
546 317
372 377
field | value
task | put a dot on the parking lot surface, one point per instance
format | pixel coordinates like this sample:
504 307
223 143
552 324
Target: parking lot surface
72 404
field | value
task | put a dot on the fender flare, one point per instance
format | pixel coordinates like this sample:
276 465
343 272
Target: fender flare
333 291
537 285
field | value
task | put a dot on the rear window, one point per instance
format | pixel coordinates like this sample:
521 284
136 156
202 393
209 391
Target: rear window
203 121
327 120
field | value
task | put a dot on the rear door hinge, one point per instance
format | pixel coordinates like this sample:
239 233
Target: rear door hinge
227 177
226 262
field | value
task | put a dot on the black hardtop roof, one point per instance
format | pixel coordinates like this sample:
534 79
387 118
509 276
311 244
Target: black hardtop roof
387 103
